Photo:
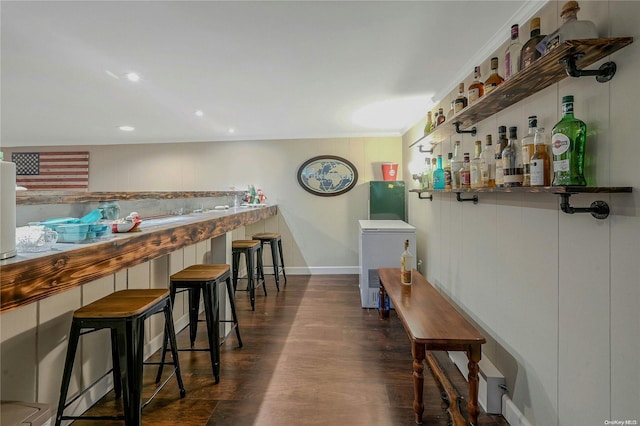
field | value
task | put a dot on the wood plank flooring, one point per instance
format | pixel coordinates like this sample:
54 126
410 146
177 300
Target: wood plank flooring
311 356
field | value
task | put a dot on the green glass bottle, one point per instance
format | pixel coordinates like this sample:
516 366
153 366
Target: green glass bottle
568 142
438 175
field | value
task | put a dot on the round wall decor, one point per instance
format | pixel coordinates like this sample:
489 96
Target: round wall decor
327 175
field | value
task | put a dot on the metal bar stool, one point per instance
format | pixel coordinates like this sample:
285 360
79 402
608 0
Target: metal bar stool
249 248
275 241
204 278
124 313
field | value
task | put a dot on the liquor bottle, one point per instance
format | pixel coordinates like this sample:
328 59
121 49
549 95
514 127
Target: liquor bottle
476 88
494 79
568 142
429 126
432 169
461 100
465 172
438 175
512 160
447 171
441 116
476 167
540 161
452 111
512 54
435 121
527 150
406 264
500 146
456 164
529 53
571 29
425 173
488 163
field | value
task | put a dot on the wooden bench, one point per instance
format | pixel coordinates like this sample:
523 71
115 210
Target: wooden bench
432 323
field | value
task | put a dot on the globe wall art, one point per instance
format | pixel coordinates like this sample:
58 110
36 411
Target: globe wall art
327 175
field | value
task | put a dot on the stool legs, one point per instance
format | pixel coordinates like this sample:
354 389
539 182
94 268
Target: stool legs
276 271
284 274
232 302
194 305
74 335
211 306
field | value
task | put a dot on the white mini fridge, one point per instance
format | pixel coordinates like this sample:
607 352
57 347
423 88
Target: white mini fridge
381 244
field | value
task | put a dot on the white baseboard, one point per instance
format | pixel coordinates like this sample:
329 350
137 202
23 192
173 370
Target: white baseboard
317 270
512 414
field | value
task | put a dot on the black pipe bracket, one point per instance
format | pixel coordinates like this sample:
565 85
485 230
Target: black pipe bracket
602 74
457 124
474 198
598 209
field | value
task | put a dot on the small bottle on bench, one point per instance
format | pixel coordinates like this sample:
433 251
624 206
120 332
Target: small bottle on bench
406 264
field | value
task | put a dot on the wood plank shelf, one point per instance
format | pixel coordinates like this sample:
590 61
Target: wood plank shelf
598 209
547 70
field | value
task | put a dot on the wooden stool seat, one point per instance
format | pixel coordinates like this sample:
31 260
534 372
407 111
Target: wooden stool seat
249 248
197 279
275 241
123 313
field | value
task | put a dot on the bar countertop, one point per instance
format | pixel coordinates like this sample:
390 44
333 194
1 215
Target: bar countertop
29 277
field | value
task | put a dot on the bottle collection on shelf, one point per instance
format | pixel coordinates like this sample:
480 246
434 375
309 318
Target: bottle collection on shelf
516 58
514 162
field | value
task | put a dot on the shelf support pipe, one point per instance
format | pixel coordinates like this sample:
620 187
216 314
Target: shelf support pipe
429 197
474 198
602 74
425 151
598 209
458 131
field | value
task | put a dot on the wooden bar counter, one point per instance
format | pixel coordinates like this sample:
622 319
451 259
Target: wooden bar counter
30 277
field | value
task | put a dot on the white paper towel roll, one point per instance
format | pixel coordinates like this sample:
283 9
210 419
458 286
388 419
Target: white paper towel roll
7 209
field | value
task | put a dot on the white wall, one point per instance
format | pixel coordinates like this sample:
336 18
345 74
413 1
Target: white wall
557 295
319 233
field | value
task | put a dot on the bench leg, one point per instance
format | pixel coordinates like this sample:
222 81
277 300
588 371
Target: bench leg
418 351
473 354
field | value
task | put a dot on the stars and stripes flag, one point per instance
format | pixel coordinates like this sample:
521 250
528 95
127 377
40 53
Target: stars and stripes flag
52 170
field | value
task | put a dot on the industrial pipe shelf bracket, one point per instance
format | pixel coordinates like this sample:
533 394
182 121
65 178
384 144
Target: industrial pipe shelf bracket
474 198
429 197
425 151
457 126
598 209
602 74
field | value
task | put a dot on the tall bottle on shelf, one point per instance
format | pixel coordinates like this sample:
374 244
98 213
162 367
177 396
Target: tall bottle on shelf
529 53
406 265
425 174
571 29
447 171
512 54
432 169
568 143
527 150
501 144
494 79
461 101
465 172
452 110
540 161
456 164
512 160
429 126
438 175
488 163
476 88
476 167
441 117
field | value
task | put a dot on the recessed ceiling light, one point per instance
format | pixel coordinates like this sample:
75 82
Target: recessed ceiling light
127 128
199 113
132 76
231 130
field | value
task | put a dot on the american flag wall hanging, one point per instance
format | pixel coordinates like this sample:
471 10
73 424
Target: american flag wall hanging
52 170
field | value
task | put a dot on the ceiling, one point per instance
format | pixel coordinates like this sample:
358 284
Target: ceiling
266 69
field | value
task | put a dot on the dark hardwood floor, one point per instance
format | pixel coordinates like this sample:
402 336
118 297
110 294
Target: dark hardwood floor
311 356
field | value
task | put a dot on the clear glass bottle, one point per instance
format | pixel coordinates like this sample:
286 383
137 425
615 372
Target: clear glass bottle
425 173
438 175
429 126
465 172
452 111
527 150
512 160
529 53
432 169
447 171
476 88
571 29
476 167
540 161
512 54
500 146
435 121
406 264
568 142
456 164
461 101
441 116
494 79
488 164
